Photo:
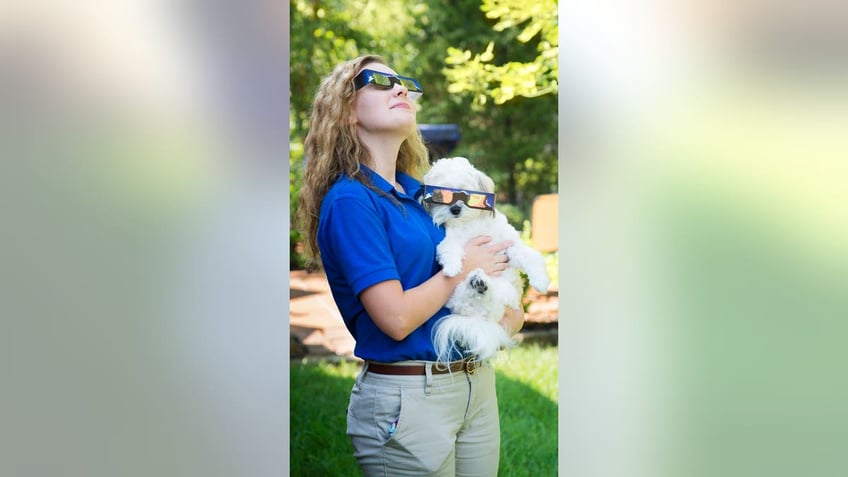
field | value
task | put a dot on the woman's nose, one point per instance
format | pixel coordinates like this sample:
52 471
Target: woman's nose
401 90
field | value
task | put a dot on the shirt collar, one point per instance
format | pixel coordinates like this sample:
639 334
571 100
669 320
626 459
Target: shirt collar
377 179
409 183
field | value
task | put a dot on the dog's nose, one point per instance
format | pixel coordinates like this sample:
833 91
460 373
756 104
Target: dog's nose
455 209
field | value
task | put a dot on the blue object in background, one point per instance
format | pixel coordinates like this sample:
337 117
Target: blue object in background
440 139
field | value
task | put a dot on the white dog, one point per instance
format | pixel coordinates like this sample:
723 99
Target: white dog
460 197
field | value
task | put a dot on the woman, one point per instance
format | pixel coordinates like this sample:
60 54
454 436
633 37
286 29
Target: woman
362 221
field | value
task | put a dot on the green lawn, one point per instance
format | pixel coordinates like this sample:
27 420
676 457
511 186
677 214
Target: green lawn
527 390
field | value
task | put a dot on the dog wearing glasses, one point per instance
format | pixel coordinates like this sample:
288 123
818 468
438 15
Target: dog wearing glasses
461 197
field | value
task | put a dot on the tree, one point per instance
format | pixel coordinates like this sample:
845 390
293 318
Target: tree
514 141
478 76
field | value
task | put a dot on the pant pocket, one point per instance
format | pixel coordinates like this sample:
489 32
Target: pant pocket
425 433
370 415
387 412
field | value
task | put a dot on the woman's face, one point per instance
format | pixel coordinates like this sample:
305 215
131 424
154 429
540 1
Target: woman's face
378 110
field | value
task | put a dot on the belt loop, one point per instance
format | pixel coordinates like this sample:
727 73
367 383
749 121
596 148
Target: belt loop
362 373
428 378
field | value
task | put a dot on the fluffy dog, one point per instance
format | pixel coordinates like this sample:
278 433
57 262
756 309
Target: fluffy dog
460 197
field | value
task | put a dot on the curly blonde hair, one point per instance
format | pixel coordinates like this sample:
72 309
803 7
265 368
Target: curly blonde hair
332 148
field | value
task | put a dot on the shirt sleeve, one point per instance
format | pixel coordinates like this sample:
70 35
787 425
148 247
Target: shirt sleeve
354 240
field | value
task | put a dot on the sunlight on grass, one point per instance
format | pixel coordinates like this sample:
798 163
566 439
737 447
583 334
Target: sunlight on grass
535 366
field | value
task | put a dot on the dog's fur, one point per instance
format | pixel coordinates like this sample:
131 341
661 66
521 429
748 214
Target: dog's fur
477 304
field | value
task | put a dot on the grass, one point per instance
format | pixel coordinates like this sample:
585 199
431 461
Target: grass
527 389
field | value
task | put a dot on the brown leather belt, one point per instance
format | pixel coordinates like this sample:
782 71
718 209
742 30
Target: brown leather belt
469 366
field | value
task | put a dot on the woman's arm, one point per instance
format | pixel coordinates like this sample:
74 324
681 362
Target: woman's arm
513 320
399 312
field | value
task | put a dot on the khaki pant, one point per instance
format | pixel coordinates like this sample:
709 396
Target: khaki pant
434 425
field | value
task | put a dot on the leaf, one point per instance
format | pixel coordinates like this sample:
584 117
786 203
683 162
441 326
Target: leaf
488 55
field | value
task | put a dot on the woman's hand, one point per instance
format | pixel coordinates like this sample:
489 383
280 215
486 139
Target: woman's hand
481 253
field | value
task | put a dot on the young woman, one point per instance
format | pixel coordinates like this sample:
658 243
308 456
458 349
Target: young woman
363 223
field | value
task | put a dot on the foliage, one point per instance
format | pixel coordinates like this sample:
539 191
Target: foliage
297 260
324 34
478 76
515 142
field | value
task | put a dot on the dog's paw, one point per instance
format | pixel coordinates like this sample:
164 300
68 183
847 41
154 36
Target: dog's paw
540 283
477 282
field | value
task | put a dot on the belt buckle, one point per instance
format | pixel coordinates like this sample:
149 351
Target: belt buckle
471 366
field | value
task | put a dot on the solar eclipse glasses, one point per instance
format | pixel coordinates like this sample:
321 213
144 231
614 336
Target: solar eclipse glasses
449 196
387 81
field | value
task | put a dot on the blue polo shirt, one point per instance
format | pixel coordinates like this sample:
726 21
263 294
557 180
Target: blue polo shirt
365 239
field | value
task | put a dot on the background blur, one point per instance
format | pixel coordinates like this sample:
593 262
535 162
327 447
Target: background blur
703 227
144 186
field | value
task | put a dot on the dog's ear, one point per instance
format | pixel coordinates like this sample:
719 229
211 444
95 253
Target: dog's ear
486 184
